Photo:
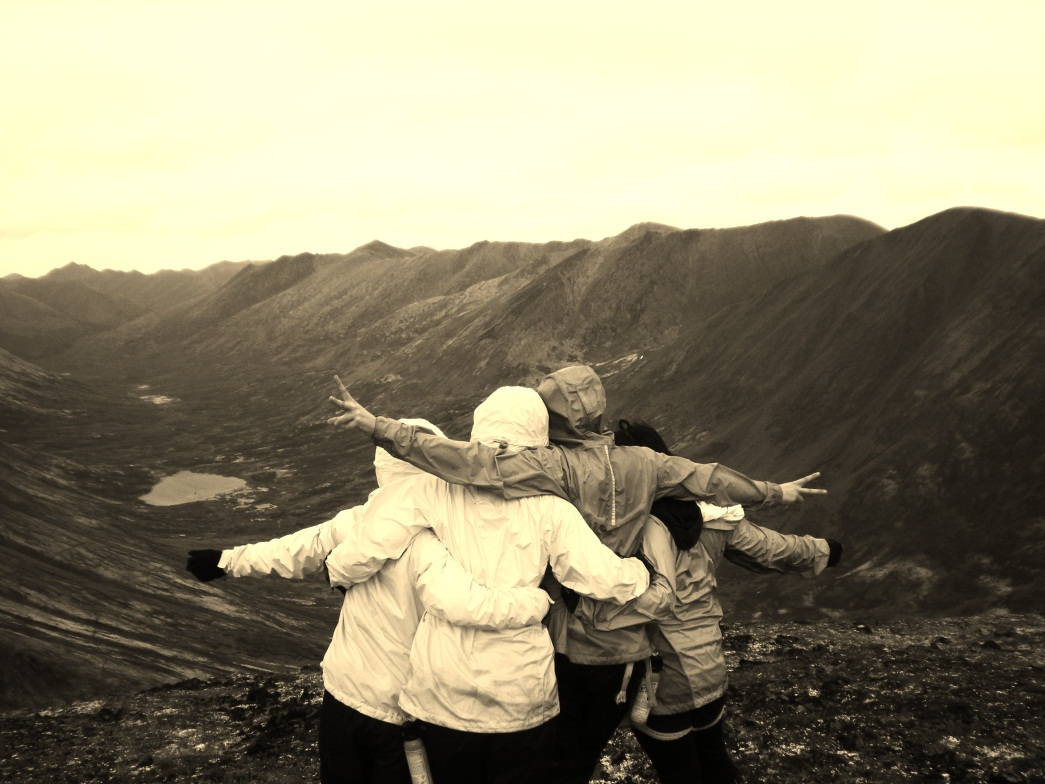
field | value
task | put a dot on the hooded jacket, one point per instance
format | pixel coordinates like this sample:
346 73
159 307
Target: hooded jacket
472 679
689 639
612 486
367 661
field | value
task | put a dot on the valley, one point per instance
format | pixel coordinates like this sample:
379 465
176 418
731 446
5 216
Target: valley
906 366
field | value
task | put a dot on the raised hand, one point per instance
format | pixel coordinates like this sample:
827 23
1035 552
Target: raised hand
354 416
796 491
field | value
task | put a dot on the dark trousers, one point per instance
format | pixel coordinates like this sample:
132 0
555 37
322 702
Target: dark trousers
357 749
456 757
588 715
699 757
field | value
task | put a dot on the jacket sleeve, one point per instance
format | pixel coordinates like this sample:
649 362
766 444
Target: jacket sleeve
449 591
294 555
509 474
580 561
656 604
762 549
681 478
384 527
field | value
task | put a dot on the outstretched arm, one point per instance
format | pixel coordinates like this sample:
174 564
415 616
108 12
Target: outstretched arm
681 478
294 555
510 474
763 549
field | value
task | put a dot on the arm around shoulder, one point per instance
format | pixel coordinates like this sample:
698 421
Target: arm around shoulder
449 591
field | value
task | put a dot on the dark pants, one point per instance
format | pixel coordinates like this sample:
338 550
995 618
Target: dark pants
588 715
699 757
357 749
457 757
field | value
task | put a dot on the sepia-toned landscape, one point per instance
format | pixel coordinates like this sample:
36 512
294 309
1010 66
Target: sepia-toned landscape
905 365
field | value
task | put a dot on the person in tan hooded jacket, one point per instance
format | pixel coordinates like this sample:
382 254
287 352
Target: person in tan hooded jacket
613 488
367 661
682 733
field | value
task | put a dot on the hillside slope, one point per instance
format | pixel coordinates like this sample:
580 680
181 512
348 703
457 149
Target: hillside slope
910 371
96 598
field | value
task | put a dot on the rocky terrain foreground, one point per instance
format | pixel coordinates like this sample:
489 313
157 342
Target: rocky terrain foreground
942 700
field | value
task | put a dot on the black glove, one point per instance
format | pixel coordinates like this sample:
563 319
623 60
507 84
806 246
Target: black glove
836 552
648 564
570 598
326 573
204 565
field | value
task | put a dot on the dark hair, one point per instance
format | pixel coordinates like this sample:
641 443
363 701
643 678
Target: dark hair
639 434
682 518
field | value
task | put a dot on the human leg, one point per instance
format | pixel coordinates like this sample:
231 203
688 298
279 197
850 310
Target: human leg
356 748
454 755
588 715
716 766
522 757
668 742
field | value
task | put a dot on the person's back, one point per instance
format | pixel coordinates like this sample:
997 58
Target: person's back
495 681
485 699
501 681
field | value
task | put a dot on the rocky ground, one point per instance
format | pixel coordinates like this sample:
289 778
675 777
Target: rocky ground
952 700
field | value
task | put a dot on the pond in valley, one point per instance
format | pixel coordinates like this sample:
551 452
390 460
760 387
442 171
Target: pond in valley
187 486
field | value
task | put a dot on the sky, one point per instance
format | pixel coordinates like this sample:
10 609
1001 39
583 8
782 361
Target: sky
147 134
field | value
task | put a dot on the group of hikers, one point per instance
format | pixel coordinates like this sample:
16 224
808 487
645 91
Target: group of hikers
510 601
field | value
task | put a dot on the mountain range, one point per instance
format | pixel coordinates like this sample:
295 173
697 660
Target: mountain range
905 365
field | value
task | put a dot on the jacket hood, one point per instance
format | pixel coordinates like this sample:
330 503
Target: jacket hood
389 468
576 402
515 416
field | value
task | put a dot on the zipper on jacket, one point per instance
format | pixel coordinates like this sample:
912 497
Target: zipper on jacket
613 488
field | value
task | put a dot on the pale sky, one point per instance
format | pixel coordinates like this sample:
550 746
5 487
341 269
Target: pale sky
147 134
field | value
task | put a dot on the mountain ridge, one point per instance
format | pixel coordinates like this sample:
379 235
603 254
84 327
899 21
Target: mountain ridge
905 365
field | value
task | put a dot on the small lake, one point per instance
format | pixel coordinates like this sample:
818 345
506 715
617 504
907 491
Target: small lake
185 487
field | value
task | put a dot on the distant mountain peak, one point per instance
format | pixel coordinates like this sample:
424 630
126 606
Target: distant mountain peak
381 250
640 229
72 270
378 245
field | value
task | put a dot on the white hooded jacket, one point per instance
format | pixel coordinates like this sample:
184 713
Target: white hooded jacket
472 679
367 660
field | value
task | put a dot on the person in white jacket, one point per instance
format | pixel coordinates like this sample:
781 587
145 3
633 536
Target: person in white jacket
367 660
486 699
